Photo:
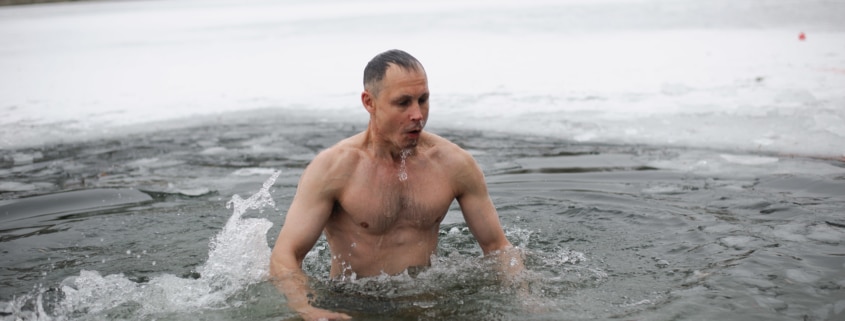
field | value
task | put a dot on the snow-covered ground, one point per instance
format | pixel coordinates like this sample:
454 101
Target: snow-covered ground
715 74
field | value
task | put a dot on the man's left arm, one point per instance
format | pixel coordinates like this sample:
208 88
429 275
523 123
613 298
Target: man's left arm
483 221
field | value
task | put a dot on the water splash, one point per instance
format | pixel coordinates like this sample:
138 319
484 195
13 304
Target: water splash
403 172
460 282
238 257
239 252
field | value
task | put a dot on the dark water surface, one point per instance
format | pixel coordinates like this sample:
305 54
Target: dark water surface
120 228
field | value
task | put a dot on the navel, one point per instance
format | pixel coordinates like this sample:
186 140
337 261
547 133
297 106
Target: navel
365 225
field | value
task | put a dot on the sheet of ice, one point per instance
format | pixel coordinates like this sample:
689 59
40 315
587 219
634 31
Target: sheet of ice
719 74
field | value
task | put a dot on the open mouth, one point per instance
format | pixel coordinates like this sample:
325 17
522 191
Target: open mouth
414 133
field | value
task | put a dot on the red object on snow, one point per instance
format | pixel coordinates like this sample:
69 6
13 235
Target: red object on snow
802 37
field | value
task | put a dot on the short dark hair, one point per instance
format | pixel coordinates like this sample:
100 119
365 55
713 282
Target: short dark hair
377 67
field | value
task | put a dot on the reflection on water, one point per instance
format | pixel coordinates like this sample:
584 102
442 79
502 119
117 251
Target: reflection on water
136 227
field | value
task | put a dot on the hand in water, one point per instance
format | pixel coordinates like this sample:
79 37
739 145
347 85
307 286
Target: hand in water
317 314
533 305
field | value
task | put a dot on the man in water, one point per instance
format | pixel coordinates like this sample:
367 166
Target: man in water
379 196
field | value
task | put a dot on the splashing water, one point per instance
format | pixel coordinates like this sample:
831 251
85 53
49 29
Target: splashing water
403 171
238 257
459 282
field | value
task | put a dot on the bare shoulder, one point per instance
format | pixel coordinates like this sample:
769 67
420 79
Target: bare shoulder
335 162
457 161
445 150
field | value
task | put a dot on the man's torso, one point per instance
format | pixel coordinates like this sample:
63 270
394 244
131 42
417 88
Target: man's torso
387 214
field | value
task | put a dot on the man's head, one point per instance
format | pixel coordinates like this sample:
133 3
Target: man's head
377 68
396 96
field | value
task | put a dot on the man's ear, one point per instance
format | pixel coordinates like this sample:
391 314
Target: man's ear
367 100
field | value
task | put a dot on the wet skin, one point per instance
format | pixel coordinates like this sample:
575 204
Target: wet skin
379 196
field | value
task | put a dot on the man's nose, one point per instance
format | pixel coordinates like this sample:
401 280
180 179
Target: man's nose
416 112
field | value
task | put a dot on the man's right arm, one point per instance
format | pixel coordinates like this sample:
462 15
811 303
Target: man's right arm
308 214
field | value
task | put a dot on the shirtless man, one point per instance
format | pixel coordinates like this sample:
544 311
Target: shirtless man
379 196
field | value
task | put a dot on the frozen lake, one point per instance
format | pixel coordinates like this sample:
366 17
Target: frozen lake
717 74
657 160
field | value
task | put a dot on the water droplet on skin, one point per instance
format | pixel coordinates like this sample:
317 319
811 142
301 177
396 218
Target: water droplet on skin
403 174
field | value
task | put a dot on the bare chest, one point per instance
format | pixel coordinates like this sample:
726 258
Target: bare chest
383 199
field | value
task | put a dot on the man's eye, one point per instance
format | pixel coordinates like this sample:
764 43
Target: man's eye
423 100
404 102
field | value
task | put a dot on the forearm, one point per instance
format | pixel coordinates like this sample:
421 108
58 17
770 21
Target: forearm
509 264
293 283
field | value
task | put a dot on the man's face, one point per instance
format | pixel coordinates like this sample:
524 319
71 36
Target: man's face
400 110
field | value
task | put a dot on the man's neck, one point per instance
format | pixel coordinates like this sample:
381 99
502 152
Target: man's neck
384 149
